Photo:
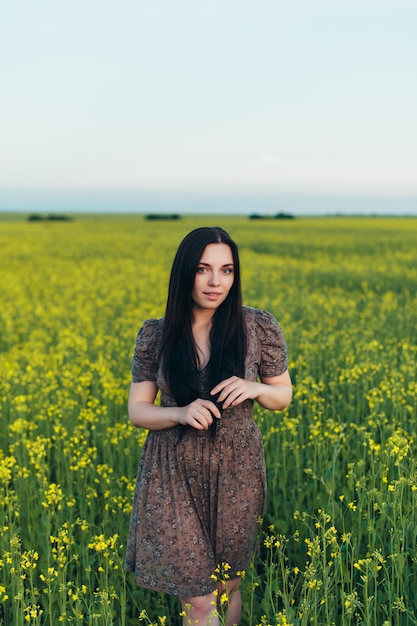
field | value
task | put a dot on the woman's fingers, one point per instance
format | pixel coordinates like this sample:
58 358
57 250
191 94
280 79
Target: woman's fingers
234 391
233 397
228 390
220 386
199 414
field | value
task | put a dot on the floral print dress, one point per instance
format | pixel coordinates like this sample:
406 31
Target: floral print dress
197 497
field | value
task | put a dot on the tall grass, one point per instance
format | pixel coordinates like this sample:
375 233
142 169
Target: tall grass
338 543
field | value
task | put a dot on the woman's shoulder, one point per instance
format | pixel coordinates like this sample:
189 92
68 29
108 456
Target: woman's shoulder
150 330
266 340
145 356
256 316
153 324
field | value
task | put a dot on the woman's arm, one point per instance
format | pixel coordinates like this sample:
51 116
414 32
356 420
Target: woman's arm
143 413
272 393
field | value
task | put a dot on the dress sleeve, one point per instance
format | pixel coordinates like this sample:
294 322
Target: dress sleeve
274 355
145 356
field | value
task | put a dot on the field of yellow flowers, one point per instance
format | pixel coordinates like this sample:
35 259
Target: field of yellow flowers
339 539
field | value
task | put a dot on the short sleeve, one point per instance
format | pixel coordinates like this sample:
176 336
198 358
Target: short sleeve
145 356
274 354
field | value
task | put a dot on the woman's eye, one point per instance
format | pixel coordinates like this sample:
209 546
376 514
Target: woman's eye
201 270
227 271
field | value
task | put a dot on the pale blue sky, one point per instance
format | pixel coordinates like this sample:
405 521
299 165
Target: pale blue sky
268 95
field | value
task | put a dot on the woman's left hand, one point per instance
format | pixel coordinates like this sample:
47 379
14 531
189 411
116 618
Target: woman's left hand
273 393
235 390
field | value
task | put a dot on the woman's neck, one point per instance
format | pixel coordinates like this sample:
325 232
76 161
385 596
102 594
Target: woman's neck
201 326
202 318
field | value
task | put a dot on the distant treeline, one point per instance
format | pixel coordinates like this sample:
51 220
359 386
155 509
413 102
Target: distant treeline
36 217
162 216
51 218
254 216
278 216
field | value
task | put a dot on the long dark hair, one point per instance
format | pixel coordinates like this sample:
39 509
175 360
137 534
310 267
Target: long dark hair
227 336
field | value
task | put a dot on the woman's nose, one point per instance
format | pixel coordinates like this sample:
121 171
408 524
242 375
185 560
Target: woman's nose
214 278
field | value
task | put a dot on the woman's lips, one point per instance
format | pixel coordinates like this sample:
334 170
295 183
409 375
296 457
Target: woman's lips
212 295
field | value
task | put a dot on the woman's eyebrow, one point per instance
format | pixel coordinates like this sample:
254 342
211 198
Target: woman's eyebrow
225 265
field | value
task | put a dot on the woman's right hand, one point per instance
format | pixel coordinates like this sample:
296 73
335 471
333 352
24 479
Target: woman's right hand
198 414
143 413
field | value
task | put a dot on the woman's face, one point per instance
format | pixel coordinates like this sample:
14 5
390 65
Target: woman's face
214 277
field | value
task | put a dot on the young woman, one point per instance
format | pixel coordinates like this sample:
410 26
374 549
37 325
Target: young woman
200 489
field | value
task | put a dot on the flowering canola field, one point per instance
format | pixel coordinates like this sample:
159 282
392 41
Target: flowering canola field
338 544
